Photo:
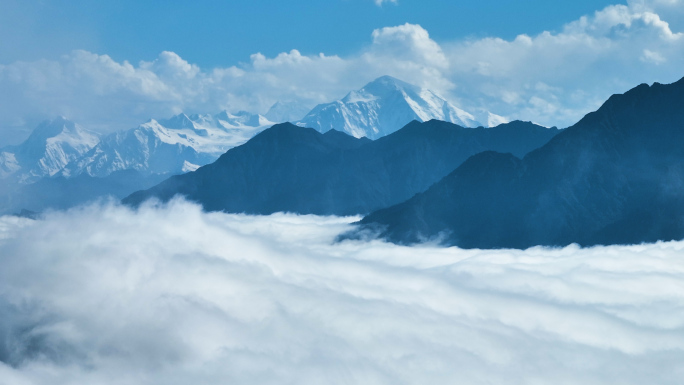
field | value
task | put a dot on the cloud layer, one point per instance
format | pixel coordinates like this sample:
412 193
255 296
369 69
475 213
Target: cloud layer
170 295
553 78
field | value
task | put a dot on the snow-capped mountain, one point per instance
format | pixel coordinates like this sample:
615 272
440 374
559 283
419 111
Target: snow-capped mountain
237 120
382 107
183 142
50 147
179 144
282 112
493 120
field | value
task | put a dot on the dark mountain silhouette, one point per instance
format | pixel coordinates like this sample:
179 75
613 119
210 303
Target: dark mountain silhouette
615 177
295 169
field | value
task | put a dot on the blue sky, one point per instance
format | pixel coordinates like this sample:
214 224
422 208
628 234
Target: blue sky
220 33
112 65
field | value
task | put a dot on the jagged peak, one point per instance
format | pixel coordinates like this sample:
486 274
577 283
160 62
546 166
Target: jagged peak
282 111
179 121
666 93
381 87
150 122
286 103
391 82
224 115
53 127
243 113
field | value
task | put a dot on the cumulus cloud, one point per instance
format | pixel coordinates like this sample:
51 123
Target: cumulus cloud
553 77
171 295
408 52
106 95
608 52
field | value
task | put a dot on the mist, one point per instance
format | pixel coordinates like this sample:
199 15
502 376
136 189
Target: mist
168 294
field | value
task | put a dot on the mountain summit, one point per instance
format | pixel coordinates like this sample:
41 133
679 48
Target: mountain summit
52 145
281 112
382 107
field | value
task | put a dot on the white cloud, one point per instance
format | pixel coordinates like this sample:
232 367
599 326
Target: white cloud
379 3
654 57
105 95
607 52
654 5
594 56
408 52
171 295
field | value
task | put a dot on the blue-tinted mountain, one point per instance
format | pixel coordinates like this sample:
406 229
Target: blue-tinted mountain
295 169
281 112
615 177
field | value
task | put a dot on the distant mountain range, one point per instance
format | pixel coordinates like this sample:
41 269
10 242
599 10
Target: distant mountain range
179 144
295 169
50 147
176 145
617 176
384 106
62 164
62 149
185 142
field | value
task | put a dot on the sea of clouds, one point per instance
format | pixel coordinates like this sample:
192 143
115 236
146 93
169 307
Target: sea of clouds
167 294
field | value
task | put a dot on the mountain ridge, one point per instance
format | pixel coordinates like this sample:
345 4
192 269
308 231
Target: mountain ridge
613 177
185 142
295 169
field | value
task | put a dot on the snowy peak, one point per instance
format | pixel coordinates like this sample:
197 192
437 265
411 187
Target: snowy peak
51 145
223 119
382 107
282 112
149 148
242 119
52 128
179 121
184 122
179 144
9 164
251 120
494 120
386 86
59 130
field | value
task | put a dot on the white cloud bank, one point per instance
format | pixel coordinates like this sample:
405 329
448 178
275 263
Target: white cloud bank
553 78
105 295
